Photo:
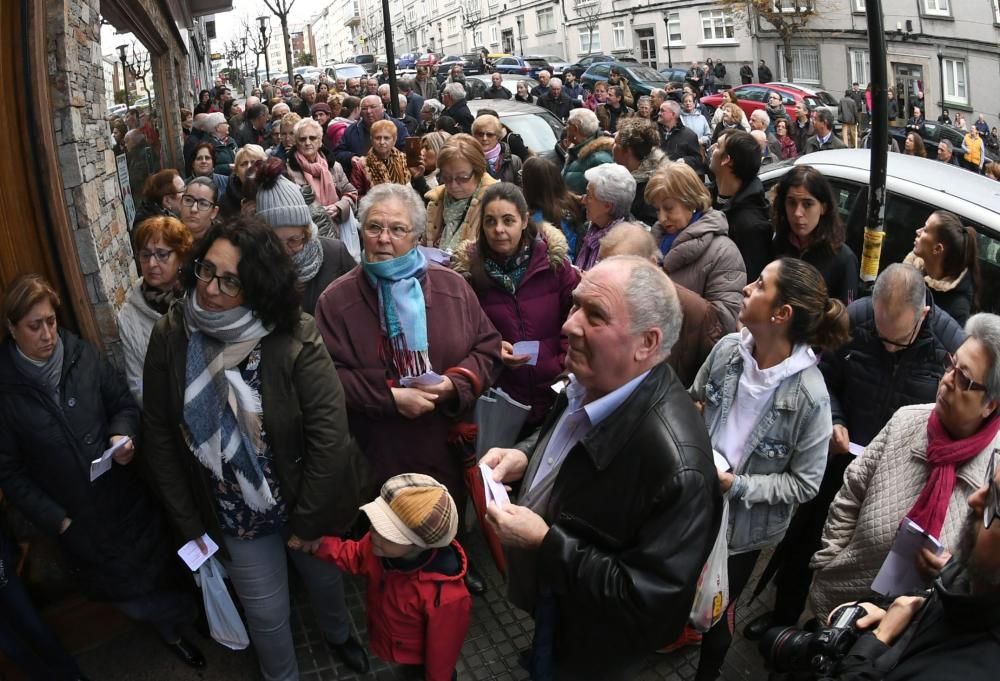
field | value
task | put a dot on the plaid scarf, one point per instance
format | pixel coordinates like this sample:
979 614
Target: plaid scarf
510 272
391 171
223 416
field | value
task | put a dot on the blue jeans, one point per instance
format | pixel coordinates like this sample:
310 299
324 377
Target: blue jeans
258 569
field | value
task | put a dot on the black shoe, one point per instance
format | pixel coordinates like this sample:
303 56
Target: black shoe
188 653
524 659
352 653
474 582
755 630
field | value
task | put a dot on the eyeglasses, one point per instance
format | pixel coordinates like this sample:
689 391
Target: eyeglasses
962 379
486 134
162 255
295 243
902 346
191 202
396 232
456 179
228 284
309 138
992 509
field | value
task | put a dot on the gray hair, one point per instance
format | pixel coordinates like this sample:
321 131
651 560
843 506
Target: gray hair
901 284
306 123
760 115
400 192
657 92
947 145
307 89
434 105
585 120
282 107
644 99
614 184
555 82
985 328
545 72
672 105
214 120
823 115
401 98
652 301
455 90
383 89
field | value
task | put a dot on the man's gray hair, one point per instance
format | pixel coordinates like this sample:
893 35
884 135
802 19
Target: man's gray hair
985 328
824 115
434 105
545 72
401 98
400 192
455 90
614 184
901 284
214 120
760 115
585 120
657 92
652 300
672 105
555 82
307 89
383 89
282 107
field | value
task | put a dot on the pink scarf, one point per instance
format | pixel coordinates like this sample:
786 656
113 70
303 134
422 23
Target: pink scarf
944 455
317 174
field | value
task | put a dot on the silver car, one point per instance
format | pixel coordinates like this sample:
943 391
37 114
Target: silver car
539 129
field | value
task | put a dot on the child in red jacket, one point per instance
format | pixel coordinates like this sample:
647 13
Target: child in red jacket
418 605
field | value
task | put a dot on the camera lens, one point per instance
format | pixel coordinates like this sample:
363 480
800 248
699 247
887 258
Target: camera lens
786 649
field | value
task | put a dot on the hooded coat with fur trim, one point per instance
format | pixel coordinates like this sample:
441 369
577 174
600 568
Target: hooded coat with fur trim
535 312
954 296
588 154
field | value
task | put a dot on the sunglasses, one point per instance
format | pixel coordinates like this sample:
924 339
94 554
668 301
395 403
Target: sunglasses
962 379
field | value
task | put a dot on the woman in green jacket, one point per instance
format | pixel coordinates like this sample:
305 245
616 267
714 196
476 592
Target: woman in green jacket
589 148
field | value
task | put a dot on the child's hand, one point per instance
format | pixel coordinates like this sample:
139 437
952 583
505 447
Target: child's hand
296 544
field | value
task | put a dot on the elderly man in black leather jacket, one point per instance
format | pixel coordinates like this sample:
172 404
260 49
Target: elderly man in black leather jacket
899 340
620 502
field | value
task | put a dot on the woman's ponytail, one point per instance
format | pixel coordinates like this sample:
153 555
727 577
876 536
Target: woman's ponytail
833 328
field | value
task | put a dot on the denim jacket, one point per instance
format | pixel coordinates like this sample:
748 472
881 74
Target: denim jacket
785 453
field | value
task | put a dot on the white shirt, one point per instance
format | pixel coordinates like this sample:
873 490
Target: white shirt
577 420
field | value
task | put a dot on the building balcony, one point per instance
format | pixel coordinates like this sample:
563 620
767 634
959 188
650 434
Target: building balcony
353 21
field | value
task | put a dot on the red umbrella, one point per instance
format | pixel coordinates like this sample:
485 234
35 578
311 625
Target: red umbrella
463 438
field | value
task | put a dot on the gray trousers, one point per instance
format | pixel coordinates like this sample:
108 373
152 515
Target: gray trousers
258 569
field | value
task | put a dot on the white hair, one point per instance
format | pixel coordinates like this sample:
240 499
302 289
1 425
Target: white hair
455 90
651 299
282 107
214 120
760 115
434 105
613 184
401 192
585 120
307 89
306 123
555 82
383 89
401 98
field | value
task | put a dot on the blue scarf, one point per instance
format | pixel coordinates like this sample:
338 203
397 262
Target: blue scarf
402 310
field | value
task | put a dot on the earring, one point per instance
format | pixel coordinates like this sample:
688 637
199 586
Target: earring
772 318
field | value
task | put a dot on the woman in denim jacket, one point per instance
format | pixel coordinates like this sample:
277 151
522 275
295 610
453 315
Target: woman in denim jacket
768 414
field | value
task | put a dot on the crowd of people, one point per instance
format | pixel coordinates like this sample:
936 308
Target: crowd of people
321 303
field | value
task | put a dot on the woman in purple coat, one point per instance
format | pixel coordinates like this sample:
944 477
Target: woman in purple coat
524 280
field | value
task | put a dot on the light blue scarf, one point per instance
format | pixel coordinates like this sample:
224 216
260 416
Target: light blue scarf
402 310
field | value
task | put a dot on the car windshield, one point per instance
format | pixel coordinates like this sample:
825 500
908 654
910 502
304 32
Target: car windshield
541 63
645 73
538 132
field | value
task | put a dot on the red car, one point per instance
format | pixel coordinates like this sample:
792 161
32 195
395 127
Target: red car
430 60
754 96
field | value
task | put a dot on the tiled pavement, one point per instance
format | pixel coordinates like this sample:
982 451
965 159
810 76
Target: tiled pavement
497 633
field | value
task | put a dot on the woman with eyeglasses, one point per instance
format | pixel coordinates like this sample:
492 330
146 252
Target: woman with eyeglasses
162 245
199 206
946 252
311 166
203 165
245 434
453 206
62 405
501 164
923 465
383 163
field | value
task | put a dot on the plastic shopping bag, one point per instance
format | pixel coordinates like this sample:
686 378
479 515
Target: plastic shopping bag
350 230
223 619
712 595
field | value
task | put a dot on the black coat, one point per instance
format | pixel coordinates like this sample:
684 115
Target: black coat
867 383
633 514
839 268
559 106
115 542
681 144
958 300
459 112
750 226
497 93
337 261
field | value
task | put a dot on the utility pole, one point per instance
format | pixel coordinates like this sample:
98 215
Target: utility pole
264 41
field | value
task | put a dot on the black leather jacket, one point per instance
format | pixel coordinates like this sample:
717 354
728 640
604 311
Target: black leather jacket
633 514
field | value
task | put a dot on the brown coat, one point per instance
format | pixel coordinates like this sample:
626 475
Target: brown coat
700 331
469 228
459 334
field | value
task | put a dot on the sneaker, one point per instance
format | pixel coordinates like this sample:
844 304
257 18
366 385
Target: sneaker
688 637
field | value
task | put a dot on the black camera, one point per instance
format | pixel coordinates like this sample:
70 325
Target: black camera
802 654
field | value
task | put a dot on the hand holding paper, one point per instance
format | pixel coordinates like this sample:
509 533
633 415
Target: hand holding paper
197 551
99 467
495 492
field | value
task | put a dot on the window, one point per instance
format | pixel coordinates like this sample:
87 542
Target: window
996 11
939 8
861 66
477 36
618 35
590 42
859 6
452 25
805 65
956 89
545 20
494 34
717 24
674 27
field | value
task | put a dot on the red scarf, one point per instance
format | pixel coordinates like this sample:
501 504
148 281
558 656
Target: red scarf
944 455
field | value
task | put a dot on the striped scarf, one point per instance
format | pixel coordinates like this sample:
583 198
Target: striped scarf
223 416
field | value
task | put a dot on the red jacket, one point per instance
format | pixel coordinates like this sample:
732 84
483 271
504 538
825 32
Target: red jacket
414 617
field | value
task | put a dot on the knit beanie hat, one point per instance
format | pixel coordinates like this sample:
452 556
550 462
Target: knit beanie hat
320 106
279 200
414 509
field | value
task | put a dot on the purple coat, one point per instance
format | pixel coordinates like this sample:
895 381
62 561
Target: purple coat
536 312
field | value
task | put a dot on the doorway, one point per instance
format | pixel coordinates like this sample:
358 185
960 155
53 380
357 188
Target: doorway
909 91
646 39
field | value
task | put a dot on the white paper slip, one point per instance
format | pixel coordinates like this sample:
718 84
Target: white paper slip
421 381
558 387
527 348
899 574
192 555
435 255
720 462
495 491
99 467
856 449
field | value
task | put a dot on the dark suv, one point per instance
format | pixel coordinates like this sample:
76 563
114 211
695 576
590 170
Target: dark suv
470 66
367 62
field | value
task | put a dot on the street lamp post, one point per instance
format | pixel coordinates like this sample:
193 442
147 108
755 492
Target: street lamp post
264 42
666 23
121 55
520 34
243 68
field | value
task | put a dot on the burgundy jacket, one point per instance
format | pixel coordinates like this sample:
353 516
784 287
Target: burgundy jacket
536 312
459 335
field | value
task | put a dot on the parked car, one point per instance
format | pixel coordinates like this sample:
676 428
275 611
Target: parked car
754 96
641 79
476 85
915 187
430 60
674 75
522 66
345 71
934 134
586 62
539 129
367 62
558 64
470 66
117 110
407 61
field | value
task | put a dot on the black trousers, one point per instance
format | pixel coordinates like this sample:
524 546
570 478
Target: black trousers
716 641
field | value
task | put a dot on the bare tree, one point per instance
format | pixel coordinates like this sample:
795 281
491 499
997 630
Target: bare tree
372 29
472 17
786 17
589 14
250 31
139 66
281 9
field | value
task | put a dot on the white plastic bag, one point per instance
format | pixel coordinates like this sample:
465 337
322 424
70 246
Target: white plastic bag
350 230
223 619
712 595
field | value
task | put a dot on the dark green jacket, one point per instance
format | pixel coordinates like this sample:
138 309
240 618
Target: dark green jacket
317 463
580 158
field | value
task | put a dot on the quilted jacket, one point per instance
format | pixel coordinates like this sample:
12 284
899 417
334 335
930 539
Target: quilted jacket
880 486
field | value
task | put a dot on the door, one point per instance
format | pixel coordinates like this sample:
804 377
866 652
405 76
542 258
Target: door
909 88
646 39
507 38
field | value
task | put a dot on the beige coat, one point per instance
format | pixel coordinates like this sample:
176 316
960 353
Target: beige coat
469 229
880 487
